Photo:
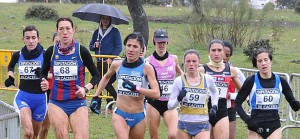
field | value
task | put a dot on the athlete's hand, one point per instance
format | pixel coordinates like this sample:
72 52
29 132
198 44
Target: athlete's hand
44 84
182 94
295 105
128 85
80 92
37 71
9 81
108 61
213 111
94 106
252 125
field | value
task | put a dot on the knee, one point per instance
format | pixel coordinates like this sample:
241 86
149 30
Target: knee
28 133
172 135
45 129
152 136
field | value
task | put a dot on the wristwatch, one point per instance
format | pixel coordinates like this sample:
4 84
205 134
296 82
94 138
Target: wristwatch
86 89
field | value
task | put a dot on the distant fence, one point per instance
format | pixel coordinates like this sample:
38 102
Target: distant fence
104 94
294 119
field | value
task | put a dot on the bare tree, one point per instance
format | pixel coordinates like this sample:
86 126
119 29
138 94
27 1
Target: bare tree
139 18
197 7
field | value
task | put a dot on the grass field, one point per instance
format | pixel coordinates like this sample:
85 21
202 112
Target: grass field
12 21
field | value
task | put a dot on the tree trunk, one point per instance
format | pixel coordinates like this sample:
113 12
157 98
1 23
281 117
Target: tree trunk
139 18
197 7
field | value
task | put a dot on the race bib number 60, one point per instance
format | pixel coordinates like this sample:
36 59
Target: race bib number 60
267 98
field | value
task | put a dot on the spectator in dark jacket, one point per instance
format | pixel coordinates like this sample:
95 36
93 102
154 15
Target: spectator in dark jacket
106 41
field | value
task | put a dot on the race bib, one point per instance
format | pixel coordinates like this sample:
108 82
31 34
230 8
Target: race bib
267 98
136 80
195 98
222 88
65 70
166 87
26 69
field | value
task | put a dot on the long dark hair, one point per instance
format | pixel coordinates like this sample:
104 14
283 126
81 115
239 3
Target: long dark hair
135 35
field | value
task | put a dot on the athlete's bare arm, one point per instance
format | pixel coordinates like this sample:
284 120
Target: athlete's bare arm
154 91
178 69
201 69
235 78
104 81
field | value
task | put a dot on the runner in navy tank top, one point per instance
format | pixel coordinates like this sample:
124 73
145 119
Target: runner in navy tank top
66 61
30 100
264 90
222 74
128 119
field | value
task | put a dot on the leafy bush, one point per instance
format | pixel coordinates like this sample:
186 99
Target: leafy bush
269 6
297 6
42 12
263 43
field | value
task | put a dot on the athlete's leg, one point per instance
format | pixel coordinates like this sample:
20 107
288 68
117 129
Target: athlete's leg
36 128
25 114
232 127
203 135
138 131
120 126
79 122
183 135
276 134
253 135
211 131
171 121
221 129
232 122
99 67
59 120
45 128
153 119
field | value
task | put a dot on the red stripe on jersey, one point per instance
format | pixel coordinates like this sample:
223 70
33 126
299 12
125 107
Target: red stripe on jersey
231 89
51 94
81 76
60 91
73 89
50 80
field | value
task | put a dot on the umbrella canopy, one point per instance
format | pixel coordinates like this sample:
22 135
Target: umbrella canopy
92 12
